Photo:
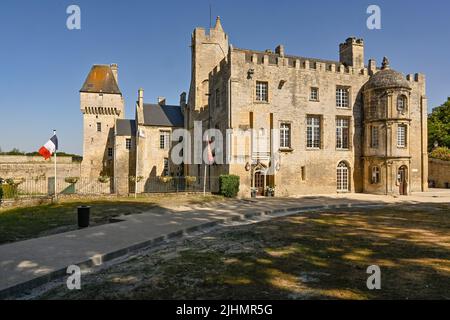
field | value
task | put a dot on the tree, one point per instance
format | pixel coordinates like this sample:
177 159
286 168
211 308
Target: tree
439 126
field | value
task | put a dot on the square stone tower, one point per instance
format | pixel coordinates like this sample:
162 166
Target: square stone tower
101 103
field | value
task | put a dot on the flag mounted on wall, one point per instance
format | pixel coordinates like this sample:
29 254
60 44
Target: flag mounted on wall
49 148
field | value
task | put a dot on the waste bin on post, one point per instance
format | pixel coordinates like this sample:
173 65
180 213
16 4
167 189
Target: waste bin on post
83 216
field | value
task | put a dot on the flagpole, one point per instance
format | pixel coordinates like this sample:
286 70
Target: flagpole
56 195
204 182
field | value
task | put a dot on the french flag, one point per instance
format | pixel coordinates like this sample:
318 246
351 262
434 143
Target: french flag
49 148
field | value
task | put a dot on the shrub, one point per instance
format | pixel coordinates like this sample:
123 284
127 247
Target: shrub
165 179
1 192
441 153
103 179
9 191
229 185
71 180
190 180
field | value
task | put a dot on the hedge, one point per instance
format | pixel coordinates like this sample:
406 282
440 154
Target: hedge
8 191
229 185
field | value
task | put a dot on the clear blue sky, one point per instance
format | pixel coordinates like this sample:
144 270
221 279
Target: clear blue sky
43 64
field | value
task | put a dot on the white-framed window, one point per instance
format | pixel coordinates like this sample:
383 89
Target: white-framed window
401 103
110 152
342 177
128 144
313 129
375 175
374 136
401 136
164 139
314 94
342 133
262 91
99 127
342 97
166 167
285 135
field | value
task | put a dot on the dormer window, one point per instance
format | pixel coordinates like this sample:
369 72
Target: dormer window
401 103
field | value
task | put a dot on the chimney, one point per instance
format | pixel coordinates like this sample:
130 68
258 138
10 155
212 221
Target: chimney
182 99
162 101
372 66
114 69
141 98
280 50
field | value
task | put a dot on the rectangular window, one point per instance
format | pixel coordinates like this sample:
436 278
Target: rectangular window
217 98
313 128
285 135
374 137
99 127
128 144
110 152
342 133
166 167
262 91
401 136
314 95
342 97
164 139
375 175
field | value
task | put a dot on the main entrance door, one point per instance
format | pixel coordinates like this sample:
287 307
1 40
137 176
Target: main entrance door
402 181
259 183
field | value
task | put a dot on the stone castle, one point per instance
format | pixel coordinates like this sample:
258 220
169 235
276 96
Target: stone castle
343 126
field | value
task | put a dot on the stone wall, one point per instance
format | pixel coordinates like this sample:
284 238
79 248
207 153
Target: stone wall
32 167
439 172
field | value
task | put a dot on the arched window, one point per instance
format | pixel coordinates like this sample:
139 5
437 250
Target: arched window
401 103
375 175
342 177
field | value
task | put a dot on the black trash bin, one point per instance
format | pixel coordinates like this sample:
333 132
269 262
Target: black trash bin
84 213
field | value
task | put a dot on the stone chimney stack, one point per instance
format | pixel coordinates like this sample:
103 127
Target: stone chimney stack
115 71
162 101
372 67
141 98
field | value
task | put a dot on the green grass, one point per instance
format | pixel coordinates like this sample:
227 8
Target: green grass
317 255
24 223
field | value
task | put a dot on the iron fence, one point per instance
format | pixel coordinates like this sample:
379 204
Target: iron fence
27 188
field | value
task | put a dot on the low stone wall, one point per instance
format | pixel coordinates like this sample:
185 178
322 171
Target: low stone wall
439 173
36 167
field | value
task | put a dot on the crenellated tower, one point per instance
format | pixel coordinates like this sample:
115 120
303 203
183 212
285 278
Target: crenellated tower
101 103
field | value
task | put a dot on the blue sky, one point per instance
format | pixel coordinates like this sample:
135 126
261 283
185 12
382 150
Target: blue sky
43 64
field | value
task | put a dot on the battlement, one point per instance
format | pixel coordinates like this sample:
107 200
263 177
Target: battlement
416 77
352 41
293 62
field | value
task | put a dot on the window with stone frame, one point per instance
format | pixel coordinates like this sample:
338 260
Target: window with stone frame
313 132
285 135
374 139
110 152
262 91
401 136
99 127
401 103
375 179
342 97
164 140
166 167
342 133
314 94
128 144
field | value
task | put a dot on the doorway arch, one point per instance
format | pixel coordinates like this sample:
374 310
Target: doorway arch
402 179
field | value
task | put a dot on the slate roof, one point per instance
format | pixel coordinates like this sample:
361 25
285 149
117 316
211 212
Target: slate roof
163 115
101 80
125 127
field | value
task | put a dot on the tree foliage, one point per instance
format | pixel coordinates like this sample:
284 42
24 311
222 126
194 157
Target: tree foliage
439 126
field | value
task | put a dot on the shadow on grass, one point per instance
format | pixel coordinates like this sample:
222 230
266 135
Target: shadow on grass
315 255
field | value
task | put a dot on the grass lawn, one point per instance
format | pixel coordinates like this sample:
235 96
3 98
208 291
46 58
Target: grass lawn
24 223
317 255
